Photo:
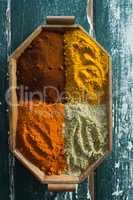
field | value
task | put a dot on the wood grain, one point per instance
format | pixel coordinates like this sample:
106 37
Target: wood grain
113 22
4 167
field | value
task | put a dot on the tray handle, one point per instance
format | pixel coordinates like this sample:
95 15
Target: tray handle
62 187
60 20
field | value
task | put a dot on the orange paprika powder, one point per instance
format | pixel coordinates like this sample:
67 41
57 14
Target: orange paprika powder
40 135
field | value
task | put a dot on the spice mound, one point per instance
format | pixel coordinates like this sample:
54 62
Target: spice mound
85 135
41 66
86 68
40 135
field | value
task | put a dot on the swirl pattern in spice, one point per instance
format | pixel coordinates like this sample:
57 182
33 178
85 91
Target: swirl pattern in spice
85 135
40 135
86 68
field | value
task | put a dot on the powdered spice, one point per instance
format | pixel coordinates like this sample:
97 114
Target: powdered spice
40 135
86 68
42 65
85 135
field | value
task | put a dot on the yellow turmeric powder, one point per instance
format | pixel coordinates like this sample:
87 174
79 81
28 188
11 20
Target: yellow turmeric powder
40 135
86 68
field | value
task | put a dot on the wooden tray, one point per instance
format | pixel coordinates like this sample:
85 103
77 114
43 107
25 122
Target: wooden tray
61 182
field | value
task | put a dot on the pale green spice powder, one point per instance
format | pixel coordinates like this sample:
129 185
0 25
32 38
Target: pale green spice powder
85 135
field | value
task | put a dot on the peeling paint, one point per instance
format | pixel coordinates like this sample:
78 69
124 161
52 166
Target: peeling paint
118 17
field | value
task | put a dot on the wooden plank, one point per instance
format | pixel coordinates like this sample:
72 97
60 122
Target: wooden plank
113 26
91 185
4 166
90 12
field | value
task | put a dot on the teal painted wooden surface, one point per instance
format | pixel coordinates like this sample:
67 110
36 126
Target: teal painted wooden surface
113 25
113 29
4 184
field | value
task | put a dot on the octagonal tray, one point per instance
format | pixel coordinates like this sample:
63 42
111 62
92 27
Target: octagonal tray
55 182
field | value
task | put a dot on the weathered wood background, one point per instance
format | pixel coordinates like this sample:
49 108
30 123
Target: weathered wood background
113 20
